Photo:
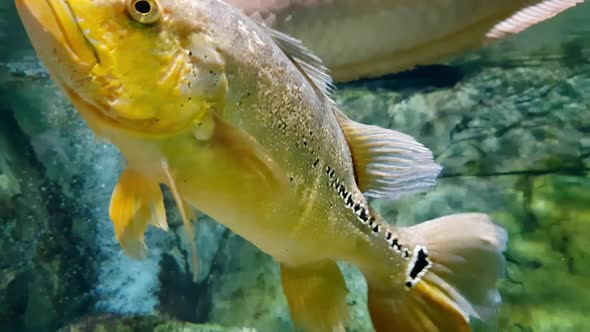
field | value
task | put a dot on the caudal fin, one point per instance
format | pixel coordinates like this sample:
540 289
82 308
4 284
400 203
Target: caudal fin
451 275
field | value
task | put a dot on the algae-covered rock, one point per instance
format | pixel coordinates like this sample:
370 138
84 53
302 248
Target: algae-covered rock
45 266
245 288
145 324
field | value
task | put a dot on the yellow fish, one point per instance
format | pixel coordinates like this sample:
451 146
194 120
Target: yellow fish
369 38
236 119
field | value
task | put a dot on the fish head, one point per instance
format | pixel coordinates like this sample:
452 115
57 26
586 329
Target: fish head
134 64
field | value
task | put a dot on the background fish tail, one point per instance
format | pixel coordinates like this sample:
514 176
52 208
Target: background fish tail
455 263
316 296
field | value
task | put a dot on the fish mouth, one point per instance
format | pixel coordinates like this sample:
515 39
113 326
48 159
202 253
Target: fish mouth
51 26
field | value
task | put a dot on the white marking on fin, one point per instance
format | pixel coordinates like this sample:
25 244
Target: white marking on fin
466 251
529 16
388 164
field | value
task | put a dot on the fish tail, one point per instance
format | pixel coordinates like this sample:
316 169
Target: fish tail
453 266
316 294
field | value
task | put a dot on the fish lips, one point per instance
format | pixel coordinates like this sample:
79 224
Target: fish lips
56 36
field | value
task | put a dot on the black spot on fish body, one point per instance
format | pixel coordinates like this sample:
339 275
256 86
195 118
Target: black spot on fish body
376 228
335 183
363 215
417 267
420 264
349 201
341 189
406 253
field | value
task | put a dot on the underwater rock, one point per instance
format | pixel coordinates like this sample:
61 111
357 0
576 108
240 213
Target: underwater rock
245 288
145 324
498 120
46 274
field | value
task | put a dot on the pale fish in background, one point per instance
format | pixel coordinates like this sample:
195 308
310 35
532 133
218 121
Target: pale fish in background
235 119
370 38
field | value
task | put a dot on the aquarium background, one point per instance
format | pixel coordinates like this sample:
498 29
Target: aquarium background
510 123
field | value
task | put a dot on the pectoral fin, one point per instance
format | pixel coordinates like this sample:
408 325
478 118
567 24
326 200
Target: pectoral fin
136 203
388 163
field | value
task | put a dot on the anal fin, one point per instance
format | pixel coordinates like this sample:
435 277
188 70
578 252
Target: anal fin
136 203
387 163
316 296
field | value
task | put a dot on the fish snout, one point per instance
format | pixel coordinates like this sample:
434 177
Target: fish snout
54 32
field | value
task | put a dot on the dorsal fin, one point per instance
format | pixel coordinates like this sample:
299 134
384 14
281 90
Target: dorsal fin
531 15
308 63
387 163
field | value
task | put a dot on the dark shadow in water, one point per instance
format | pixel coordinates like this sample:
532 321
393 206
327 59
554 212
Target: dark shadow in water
422 78
179 297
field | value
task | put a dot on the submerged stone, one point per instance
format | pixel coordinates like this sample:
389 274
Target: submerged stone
145 324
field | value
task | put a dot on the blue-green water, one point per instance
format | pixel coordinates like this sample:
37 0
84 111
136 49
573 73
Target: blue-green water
510 123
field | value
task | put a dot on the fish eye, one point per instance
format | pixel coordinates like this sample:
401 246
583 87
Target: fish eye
144 11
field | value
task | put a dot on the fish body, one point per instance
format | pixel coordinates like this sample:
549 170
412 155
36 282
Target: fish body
360 39
235 118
